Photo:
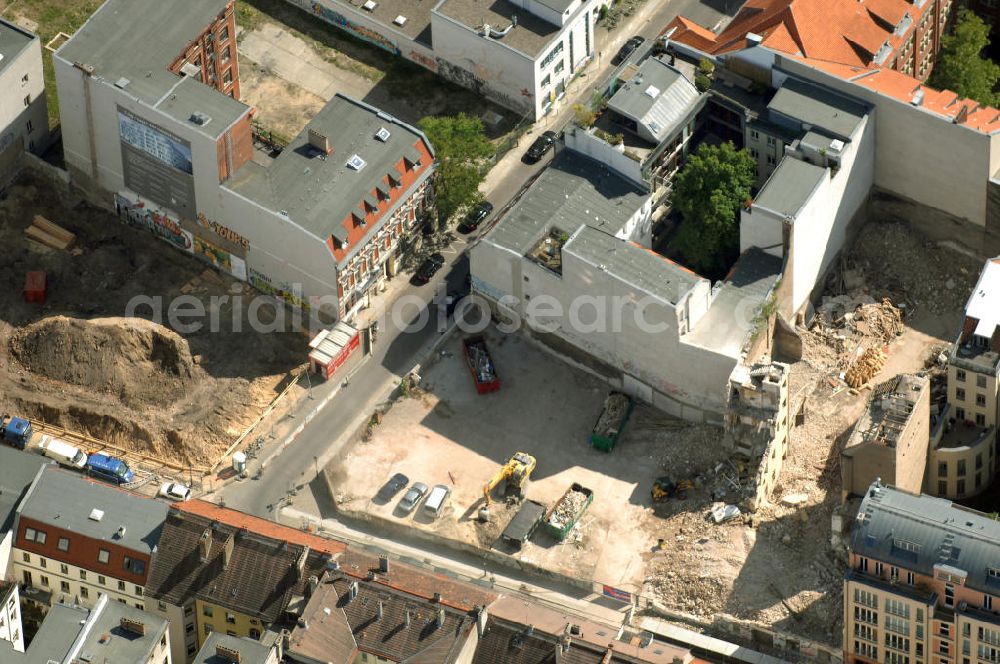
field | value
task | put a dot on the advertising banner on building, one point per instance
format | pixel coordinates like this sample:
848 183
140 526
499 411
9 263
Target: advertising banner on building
157 163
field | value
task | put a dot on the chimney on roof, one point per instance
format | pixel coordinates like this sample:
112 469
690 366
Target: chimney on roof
372 575
205 544
120 533
352 592
406 619
231 655
481 620
439 622
753 39
529 630
378 611
300 564
437 598
311 583
133 626
609 654
227 550
320 141
383 564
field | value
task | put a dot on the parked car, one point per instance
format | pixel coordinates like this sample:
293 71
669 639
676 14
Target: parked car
392 487
64 453
109 469
475 217
436 500
428 268
627 49
412 497
175 491
540 146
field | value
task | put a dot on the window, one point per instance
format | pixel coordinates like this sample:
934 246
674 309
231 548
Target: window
945 630
63 569
559 66
942 469
897 608
26 557
63 544
208 629
878 569
192 649
755 135
949 595
897 625
960 488
943 647
770 140
44 579
226 54
866 632
255 634
161 606
103 556
987 603
138 591
189 628
980 381
27 100
961 467
909 578
960 375
865 616
227 78
29 127
863 564
754 153
224 34
83 575
24 80
101 580
960 414
980 420
29 534
770 159
897 642
979 461
230 618
206 611
546 81
959 394
894 573
84 593
134 565
121 586
980 399
43 562
64 586
865 650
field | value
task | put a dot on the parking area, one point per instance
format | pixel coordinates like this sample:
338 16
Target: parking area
447 433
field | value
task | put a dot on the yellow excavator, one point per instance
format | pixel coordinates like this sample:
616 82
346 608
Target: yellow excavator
516 472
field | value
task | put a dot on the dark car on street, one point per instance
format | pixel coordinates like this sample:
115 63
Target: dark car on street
428 268
627 49
392 487
475 217
541 145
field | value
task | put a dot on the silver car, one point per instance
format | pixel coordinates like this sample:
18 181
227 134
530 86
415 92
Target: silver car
412 497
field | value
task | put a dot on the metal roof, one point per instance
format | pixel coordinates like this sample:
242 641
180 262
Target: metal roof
573 191
789 188
919 532
317 191
816 106
13 40
137 40
64 499
18 470
639 267
658 97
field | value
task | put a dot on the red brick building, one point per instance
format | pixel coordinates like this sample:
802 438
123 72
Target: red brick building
213 54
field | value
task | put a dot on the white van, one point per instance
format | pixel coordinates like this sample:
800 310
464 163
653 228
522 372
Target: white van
436 499
64 453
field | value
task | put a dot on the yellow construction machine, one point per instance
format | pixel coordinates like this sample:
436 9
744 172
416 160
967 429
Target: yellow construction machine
516 472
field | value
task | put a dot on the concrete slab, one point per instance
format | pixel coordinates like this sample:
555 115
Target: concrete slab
452 435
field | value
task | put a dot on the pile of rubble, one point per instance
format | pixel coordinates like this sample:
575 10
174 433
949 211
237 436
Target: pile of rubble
856 328
614 409
567 508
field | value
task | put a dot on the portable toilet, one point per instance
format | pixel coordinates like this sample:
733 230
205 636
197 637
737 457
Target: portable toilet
240 462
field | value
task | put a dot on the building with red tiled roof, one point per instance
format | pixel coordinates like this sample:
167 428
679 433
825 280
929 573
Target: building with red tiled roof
898 34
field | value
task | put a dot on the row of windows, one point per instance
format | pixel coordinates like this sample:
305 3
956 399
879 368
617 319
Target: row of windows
129 564
64 569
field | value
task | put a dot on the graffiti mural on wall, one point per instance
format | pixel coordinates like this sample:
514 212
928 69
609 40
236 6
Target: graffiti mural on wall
138 214
263 283
468 79
359 31
424 60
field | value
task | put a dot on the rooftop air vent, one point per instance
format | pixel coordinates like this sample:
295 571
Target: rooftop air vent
382 134
369 5
836 145
356 162
96 514
200 119
652 92
123 82
400 20
190 69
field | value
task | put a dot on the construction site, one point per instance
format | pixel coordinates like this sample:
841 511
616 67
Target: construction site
75 360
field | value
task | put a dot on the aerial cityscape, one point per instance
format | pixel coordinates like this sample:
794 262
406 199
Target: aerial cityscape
500 331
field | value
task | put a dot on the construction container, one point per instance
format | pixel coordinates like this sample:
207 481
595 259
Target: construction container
568 510
35 283
480 364
520 528
611 422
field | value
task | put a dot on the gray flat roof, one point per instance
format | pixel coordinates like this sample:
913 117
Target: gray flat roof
811 104
138 39
641 267
319 193
17 471
13 40
416 12
789 187
65 499
917 532
251 652
530 36
190 96
122 645
574 190
729 318
54 638
657 96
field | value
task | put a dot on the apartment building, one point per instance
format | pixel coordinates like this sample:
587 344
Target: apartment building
24 119
890 440
152 125
76 540
17 473
218 570
519 53
11 628
221 648
108 632
923 582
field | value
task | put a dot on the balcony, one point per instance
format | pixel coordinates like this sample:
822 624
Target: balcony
548 251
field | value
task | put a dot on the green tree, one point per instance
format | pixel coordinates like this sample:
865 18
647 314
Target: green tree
460 147
961 66
708 193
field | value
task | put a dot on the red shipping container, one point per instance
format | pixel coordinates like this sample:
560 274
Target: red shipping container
34 286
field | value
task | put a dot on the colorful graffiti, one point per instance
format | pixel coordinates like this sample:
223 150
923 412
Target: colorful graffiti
424 60
359 31
223 231
215 255
138 214
263 283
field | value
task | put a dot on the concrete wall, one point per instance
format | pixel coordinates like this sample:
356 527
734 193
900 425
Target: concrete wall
175 618
27 122
614 157
919 155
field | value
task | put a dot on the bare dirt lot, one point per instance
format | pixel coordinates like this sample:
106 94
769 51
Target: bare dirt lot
74 362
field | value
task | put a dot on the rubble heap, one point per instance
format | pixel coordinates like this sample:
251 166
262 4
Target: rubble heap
614 409
866 367
567 508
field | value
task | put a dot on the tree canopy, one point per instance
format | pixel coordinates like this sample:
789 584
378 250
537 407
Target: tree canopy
961 66
460 146
708 192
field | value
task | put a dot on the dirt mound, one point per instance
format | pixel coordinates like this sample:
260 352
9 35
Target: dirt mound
138 361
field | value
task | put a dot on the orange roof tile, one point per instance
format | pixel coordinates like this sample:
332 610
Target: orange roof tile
261 527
